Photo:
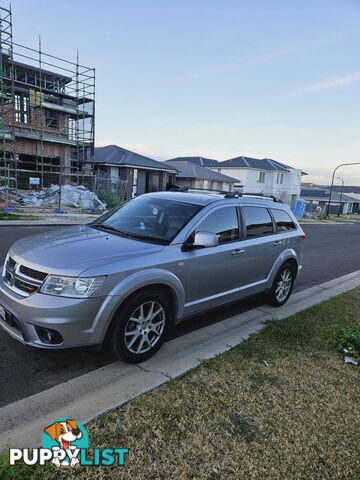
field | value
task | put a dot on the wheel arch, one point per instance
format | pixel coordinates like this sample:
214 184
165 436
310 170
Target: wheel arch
161 287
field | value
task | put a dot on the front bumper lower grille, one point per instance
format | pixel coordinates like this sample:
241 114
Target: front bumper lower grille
21 279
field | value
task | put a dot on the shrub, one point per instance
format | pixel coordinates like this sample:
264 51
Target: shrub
349 338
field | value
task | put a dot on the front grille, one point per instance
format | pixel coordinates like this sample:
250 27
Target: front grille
21 279
25 287
11 262
29 272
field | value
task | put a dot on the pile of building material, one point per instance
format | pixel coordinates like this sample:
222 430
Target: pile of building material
70 196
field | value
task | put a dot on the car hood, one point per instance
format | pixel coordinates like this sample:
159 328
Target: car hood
71 250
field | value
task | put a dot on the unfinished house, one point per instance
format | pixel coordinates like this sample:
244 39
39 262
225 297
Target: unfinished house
47 121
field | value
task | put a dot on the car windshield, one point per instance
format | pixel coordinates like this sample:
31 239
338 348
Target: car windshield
148 219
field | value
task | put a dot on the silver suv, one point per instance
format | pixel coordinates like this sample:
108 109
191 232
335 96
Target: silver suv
144 266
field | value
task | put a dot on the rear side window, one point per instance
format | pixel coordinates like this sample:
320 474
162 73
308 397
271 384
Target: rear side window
257 221
223 222
283 221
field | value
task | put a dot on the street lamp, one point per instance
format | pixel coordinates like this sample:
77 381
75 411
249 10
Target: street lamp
341 193
332 183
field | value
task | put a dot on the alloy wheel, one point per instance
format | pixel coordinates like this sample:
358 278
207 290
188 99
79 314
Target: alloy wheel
144 328
283 285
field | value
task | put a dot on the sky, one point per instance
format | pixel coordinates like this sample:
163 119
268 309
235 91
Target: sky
220 79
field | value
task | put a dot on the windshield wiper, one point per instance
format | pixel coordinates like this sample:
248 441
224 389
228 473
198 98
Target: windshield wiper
129 235
108 228
148 237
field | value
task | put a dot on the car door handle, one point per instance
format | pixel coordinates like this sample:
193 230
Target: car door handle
237 252
278 242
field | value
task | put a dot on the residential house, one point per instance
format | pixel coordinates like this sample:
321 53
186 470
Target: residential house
194 175
264 176
142 174
259 176
317 199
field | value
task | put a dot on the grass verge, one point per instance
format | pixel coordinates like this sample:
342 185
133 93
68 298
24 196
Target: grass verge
281 405
6 216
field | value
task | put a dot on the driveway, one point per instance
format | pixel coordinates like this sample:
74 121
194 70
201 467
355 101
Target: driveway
330 251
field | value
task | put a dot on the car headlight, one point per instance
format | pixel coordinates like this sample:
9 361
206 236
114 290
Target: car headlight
75 287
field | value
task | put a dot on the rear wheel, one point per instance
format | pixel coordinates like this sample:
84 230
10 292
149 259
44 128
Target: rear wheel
141 326
283 285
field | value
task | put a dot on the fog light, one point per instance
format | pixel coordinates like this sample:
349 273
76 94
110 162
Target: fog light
49 336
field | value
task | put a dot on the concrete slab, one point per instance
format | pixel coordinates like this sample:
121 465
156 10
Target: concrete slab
90 395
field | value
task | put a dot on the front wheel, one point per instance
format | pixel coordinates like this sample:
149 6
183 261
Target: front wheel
283 285
141 326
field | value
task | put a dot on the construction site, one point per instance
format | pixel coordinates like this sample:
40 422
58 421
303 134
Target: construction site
47 122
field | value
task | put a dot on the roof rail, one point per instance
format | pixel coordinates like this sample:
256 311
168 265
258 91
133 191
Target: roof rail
236 194
233 195
178 188
262 197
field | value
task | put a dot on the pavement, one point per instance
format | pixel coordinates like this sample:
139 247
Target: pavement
102 390
330 251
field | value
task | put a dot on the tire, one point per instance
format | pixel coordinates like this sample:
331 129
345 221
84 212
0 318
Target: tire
138 330
283 284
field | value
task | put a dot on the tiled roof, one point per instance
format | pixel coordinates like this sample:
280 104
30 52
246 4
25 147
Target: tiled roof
189 169
203 162
324 193
114 155
248 162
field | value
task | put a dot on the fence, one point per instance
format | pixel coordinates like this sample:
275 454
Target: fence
80 190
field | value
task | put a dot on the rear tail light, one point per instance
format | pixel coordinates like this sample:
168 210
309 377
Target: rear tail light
303 236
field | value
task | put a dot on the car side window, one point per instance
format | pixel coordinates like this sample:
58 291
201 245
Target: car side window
223 222
283 220
258 222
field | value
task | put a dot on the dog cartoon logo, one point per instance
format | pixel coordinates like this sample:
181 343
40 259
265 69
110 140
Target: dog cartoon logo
67 435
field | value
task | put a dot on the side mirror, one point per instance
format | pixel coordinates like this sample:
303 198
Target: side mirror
205 239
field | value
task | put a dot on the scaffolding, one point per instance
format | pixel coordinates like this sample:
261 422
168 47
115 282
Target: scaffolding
47 114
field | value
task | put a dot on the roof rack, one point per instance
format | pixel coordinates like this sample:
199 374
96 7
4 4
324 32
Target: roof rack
180 188
262 197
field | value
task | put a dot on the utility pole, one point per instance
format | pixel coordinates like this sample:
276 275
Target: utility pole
341 194
332 183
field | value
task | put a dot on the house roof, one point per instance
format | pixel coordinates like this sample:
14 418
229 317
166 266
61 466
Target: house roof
118 156
248 162
346 189
324 193
189 169
203 162
239 162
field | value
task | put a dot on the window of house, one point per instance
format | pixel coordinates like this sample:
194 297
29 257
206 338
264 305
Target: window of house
260 177
22 108
283 221
52 119
223 222
280 178
257 221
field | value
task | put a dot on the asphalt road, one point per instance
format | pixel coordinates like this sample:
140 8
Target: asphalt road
329 252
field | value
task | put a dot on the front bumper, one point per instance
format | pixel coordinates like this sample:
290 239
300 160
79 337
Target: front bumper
80 322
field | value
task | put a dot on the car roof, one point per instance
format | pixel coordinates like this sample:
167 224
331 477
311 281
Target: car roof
208 198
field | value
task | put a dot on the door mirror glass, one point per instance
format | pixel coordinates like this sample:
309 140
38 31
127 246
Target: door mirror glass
205 239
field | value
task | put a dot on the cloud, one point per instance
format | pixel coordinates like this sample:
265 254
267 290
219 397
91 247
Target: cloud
332 83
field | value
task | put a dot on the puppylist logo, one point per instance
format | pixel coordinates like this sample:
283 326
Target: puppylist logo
65 443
